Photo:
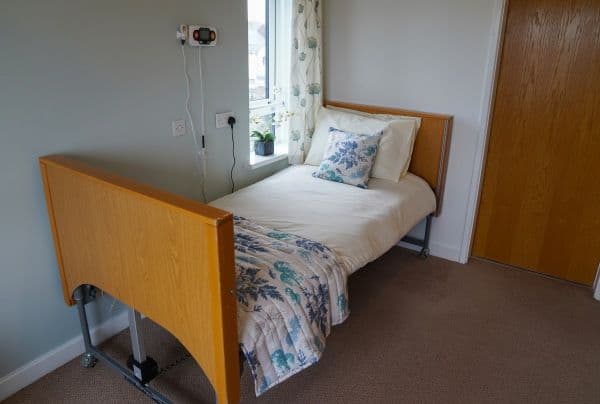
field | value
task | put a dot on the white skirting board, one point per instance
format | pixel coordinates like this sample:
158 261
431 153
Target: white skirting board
436 250
57 357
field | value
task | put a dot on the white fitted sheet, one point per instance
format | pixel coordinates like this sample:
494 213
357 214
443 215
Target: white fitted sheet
359 225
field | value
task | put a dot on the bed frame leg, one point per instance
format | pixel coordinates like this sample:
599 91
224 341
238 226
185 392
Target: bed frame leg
425 250
82 296
424 242
144 367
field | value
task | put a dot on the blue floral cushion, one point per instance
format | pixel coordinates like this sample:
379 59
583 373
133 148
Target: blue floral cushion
348 158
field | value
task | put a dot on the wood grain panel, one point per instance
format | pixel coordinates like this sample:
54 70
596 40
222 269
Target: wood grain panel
541 189
168 257
432 145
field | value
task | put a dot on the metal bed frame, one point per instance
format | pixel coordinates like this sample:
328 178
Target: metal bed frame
81 200
424 242
142 369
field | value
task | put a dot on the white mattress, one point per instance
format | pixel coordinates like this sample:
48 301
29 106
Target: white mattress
359 225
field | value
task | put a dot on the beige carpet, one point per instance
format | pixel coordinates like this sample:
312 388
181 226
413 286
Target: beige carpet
420 332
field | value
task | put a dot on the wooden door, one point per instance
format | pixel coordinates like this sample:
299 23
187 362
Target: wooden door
540 202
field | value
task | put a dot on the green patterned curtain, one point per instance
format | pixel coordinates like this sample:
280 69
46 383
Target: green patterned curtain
306 76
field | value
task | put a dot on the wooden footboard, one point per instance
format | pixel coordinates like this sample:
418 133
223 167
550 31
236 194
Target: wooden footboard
168 257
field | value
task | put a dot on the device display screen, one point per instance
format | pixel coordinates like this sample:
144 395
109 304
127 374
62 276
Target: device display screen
204 35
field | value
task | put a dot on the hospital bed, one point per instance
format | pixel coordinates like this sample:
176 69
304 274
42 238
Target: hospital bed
173 259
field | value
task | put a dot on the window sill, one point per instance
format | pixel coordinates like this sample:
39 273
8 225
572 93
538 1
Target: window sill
262 161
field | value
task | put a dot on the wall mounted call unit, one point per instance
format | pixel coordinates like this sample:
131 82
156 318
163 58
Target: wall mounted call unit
199 35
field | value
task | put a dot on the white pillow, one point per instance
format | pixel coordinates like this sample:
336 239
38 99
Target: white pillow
383 117
395 147
395 150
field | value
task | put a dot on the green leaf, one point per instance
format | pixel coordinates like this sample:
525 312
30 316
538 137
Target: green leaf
263 136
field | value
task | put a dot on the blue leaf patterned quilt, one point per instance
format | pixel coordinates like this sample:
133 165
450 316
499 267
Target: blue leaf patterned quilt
290 291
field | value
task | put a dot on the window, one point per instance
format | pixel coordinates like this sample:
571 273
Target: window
260 51
268 72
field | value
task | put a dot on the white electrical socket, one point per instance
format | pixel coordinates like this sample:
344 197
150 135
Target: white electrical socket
182 33
178 128
221 119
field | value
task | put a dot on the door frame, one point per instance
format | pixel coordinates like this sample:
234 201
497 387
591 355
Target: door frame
487 109
597 285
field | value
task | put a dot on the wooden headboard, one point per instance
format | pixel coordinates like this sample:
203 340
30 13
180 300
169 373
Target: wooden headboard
432 147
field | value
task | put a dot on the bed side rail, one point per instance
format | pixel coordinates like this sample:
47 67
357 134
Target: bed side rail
168 257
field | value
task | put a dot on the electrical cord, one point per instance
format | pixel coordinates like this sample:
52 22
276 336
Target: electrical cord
202 122
201 81
188 95
231 122
174 364
199 155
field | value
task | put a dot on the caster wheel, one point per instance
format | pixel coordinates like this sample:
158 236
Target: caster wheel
88 360
424 254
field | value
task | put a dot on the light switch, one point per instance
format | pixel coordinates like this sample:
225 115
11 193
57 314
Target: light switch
178 128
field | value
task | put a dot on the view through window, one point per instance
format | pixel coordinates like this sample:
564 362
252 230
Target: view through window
258 50
267 70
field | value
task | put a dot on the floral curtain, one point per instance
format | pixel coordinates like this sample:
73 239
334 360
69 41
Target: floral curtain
306 76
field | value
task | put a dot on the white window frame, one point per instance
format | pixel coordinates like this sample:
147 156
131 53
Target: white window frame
277 63
267 103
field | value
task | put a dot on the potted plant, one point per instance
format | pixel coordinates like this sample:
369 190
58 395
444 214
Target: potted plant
264 145
263 129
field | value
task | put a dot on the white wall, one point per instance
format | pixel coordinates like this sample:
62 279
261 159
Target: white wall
427 55
103 80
